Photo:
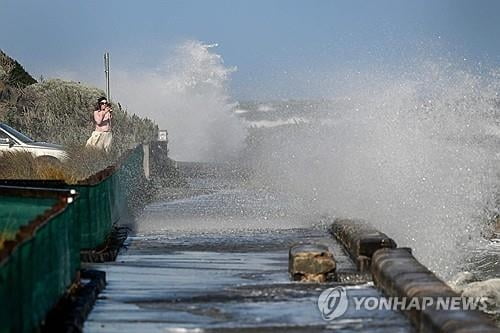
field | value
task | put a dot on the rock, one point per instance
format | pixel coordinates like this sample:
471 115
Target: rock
488 289
460 280
311 263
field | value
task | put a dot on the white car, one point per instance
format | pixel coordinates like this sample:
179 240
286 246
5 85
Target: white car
12 140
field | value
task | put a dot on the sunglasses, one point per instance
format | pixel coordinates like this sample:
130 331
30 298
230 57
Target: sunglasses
103 103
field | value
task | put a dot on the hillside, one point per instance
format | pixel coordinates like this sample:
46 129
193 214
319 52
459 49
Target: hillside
61 111
13 78
12 73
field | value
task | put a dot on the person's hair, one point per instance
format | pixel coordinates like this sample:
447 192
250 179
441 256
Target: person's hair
99 100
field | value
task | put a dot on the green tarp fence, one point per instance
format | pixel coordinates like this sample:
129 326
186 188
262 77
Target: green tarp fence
41 263
103 198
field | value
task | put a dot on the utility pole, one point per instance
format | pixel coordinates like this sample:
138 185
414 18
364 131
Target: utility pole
106 73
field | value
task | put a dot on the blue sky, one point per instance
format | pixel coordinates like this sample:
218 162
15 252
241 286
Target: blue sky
283 49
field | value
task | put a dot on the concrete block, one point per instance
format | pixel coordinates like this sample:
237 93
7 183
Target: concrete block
398 273
432 320
311 263
360 239
363 264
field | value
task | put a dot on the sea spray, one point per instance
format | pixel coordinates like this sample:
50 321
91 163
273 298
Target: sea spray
413 154
187 95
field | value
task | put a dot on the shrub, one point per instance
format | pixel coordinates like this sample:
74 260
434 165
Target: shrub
81 163
13 73
62 112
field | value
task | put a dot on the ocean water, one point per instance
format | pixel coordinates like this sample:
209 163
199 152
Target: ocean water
187 95
414 151
417 156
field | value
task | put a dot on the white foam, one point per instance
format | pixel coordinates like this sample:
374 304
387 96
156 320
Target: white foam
403 154
276 123
188 97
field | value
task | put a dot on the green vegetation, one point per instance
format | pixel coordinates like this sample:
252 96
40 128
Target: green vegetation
81 163
60 111
13 73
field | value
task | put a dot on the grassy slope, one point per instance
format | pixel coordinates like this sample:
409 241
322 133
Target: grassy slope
60 111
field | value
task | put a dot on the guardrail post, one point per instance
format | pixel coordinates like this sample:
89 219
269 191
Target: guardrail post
145 161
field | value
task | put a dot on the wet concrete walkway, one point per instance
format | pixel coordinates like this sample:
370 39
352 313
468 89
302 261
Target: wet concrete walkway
189 271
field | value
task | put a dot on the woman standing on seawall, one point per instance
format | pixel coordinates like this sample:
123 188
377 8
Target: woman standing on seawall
101 137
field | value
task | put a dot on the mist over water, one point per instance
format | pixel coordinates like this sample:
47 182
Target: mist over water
414 154
187 96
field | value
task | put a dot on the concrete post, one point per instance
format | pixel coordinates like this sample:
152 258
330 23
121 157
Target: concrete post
145 161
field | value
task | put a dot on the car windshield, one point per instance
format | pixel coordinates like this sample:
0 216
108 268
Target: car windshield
20 136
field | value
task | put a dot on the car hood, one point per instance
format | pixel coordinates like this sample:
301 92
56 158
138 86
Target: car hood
46 145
